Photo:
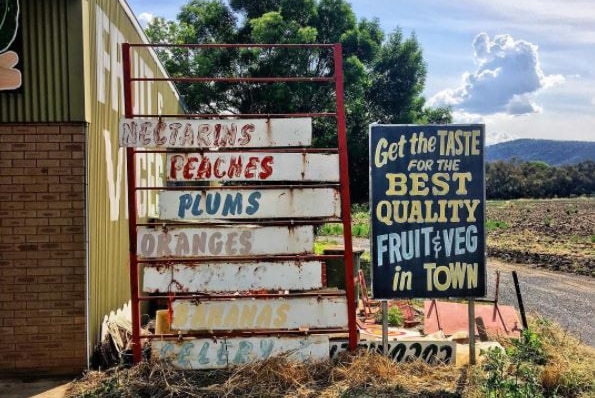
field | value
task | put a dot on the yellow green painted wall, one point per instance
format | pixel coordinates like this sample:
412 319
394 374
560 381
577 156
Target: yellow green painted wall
108 23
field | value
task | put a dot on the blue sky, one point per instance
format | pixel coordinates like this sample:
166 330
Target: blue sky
525 68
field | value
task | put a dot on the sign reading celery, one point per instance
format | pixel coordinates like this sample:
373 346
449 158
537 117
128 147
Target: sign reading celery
427 207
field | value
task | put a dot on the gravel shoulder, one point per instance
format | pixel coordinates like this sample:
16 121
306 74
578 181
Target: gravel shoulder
566 299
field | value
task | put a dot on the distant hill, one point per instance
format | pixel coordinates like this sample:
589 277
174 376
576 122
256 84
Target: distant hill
552 152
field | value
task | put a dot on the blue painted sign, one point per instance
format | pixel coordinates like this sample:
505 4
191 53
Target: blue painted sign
226 204
427 202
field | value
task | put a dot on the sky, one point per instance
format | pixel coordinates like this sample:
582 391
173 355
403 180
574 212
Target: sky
524 68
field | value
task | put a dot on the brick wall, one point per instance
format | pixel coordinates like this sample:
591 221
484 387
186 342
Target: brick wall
42 249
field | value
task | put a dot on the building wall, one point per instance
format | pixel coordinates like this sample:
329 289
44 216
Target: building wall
42 248
109 23
63 213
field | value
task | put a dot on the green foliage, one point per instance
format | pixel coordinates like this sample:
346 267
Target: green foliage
360 208
493 225
436 116
394 317
528 348
331 229
514 180
360 223
398 75
383 79
360 230
321 245
514 373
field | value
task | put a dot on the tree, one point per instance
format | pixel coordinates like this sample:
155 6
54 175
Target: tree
398 78
513 180
384 79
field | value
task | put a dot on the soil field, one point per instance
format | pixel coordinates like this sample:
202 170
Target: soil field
557 234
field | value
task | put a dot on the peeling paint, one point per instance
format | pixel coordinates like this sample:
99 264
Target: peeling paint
240 240
250 314
253 166
217 354
219 277
224 204
213 134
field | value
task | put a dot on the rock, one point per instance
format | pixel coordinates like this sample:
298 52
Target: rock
463 352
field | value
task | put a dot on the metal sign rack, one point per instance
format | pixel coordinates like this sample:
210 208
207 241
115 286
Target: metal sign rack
178 296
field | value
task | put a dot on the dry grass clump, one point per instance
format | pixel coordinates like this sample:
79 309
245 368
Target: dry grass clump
275 377
570 370
147 379
350 376
370 370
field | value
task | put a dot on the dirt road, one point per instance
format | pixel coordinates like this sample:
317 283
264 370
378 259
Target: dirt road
564 298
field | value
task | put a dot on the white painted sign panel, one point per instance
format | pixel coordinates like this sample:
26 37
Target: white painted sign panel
253 166
212 134
217 354
220 277
238 204
249 314
237 240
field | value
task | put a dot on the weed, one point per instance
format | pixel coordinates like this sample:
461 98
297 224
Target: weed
360 208
330 230
394 318
571 210
515 372
360 230
108 388
320 246
492 225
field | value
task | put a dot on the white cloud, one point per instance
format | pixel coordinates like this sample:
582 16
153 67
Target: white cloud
522 104
144 18
493 136
496 137
467 118
547 125
507 77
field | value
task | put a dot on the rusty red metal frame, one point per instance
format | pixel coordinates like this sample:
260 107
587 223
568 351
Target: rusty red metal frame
241 259
243 115
214 297
238 187
246 150
339 114
227 45
234 79
241 333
